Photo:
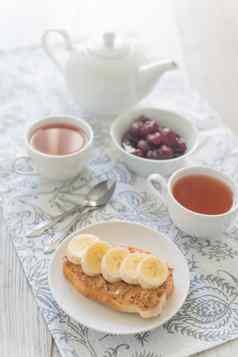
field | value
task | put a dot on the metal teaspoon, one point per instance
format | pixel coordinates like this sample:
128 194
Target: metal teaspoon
97 196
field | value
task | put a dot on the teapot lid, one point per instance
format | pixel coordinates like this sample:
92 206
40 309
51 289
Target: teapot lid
108 46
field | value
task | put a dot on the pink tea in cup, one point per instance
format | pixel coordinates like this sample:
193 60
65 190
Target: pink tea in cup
58 139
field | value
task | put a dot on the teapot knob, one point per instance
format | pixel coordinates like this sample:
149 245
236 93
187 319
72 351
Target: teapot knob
109 39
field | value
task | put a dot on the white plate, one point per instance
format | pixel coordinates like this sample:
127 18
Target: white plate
102 318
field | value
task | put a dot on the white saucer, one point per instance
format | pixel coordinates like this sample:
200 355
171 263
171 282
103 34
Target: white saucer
102 318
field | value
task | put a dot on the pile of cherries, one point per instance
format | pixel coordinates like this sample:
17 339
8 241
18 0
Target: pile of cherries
146 138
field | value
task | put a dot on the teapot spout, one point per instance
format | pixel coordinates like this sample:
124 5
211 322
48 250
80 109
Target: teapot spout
151 73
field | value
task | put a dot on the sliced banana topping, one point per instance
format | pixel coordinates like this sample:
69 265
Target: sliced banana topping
117 263
77 246
111 263
152 272
128 269
92 257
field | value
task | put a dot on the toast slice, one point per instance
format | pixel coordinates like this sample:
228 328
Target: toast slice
120 296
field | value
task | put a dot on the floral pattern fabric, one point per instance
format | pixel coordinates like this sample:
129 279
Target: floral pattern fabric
31 88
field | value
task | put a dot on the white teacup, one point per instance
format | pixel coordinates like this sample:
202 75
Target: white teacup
57 167
193 223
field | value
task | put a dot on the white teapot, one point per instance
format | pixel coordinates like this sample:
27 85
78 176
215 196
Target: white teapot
109 74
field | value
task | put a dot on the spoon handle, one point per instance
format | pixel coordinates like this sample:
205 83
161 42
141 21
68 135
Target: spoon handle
41 229
54 245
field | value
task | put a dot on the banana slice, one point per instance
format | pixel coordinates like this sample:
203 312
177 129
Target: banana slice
128 269
111 263
92 257
77 246
152 272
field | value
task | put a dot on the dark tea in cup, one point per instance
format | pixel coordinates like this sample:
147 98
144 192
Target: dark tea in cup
203 194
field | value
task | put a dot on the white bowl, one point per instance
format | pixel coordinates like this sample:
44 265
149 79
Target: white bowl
100 317
143 167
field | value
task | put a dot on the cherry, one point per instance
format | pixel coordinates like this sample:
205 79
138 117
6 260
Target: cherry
138 152
143 145
149 127
135 127
181 147
154 139
165 152
168 137
152 154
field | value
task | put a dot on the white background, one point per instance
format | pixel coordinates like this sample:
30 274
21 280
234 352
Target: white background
22 22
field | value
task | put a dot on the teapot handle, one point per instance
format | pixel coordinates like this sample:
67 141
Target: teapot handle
49 50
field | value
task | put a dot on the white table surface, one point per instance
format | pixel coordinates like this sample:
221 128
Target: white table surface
22 330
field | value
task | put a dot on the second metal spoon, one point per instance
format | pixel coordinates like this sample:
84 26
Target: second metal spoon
98 196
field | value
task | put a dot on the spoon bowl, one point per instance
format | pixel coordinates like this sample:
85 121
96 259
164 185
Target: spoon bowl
100 194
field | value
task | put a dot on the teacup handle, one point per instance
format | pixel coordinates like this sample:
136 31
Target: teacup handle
162 191
49 50
20 172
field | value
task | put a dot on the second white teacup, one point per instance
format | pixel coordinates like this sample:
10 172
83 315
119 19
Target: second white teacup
55 166
191 222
